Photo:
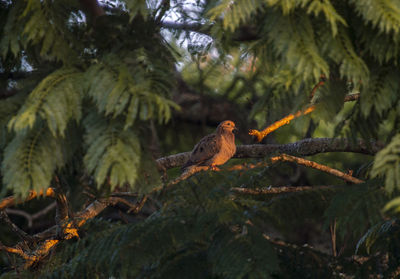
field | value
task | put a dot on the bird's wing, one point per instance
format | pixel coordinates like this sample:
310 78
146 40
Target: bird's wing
204 150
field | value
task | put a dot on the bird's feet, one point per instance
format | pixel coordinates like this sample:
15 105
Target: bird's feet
214 168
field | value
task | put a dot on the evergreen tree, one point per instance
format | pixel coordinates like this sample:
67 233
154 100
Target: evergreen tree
99 99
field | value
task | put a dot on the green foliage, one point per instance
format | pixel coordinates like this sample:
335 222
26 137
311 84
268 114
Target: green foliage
386 164
87 92
56 99
376 232
113 152
234 13
42 24
30 160
380 93
136 7
204 229
314 7
140 96
383 14
356 207
296 44
65 66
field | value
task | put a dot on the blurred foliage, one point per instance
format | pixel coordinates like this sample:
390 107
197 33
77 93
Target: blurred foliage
94 100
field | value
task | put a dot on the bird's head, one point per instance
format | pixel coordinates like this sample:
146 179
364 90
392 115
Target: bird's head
226 126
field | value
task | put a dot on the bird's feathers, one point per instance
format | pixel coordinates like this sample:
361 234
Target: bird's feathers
204 150
214 149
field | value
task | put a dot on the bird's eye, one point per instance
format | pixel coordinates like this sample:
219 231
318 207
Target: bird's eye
229 124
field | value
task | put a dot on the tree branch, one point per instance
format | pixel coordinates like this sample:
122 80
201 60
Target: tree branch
277 190
11 201
305 147
18 251
314 165
21 234
70 230
31 217
286 120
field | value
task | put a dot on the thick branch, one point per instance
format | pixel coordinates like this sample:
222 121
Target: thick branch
304 147
70 230
311 164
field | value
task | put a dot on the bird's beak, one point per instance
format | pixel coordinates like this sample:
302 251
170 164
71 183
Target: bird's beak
235 130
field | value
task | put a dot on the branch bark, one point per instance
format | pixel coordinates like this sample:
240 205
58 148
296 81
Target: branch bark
31 217
286 120
277 190
314 165
305 147
21 234
12 200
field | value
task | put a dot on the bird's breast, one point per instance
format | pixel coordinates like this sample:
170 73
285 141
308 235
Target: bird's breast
228 149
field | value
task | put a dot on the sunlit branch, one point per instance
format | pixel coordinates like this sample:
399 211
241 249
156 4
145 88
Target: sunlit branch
11 201
276 125
17 251
286 120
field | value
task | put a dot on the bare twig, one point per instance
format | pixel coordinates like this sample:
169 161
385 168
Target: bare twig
21 213
129 204
332 228
277 190
311 164
318 85
21 234
61 208
140 204
31 217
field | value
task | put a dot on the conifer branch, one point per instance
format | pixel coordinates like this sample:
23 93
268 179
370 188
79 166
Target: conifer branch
314 165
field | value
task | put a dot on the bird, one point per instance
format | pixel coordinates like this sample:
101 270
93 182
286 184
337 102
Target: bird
214 149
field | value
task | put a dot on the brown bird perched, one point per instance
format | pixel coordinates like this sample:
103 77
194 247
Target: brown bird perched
215 149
